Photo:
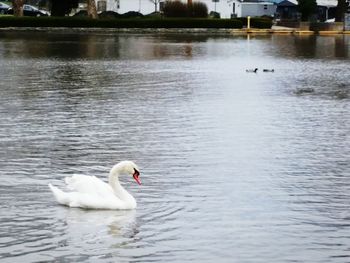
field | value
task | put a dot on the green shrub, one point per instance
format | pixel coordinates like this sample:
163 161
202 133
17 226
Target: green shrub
175 9
154 15
257 22
109 14
214 14
198 10
83 22
132 14
179 9
261 23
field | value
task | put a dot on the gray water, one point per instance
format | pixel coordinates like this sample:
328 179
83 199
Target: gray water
235 166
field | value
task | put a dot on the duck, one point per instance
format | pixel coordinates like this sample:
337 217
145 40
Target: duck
301 91
268 70
90 192
252 70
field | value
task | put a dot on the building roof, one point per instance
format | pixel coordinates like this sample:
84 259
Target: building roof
320 2
250 1
295 2
256 1
286 3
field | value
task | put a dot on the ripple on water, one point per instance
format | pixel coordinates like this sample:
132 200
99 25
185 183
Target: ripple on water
235 167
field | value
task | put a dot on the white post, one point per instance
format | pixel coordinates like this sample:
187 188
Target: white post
248 22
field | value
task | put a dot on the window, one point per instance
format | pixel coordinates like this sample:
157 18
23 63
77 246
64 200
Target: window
101 6
161 6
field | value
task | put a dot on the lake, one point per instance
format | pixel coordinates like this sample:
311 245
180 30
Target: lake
235 166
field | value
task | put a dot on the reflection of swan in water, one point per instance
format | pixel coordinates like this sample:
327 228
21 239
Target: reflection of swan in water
92 193
123 224
96 224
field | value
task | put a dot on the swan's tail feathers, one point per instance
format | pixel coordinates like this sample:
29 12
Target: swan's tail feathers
61 197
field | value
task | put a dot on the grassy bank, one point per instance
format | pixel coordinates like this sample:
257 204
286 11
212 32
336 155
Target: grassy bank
10 21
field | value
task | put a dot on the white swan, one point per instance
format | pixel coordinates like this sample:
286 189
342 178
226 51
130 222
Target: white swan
92 193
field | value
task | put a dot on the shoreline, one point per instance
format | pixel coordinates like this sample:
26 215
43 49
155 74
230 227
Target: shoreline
211 31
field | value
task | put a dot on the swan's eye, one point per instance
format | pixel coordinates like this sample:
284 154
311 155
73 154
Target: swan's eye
136 176
136 173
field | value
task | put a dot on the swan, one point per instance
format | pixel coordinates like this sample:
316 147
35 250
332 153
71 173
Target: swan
252 70
89 192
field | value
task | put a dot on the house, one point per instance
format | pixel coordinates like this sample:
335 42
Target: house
123 6
287 10
326 12
226 8
148 6
223 7
253 8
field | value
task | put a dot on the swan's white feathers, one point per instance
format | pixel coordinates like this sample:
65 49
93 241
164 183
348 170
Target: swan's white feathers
86 200
88 184
92 193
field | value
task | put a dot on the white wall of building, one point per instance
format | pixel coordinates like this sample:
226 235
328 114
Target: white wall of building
122 6
225 7
255 9
146 6
222 7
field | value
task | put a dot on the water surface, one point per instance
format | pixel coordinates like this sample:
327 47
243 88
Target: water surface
236 166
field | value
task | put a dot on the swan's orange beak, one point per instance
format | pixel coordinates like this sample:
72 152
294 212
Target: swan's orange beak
136 176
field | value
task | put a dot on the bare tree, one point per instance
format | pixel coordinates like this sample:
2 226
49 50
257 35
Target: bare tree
156 4
17 6
341 9
91 9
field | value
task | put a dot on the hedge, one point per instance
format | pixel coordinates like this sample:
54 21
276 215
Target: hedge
257 22
10 21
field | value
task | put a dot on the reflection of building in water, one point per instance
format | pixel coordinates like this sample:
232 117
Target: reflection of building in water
311 46
332 46
188 49
111 47
341 46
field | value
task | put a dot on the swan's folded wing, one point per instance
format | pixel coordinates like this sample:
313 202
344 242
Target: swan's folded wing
86 200
88 184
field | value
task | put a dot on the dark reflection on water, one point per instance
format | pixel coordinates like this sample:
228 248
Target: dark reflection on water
113 46
236 166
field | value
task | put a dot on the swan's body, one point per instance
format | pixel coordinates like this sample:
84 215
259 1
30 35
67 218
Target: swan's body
92 193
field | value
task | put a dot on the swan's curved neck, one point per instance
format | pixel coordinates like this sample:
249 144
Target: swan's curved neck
120 192
113 178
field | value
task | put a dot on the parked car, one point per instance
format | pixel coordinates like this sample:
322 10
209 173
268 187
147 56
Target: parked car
29 10
4 8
